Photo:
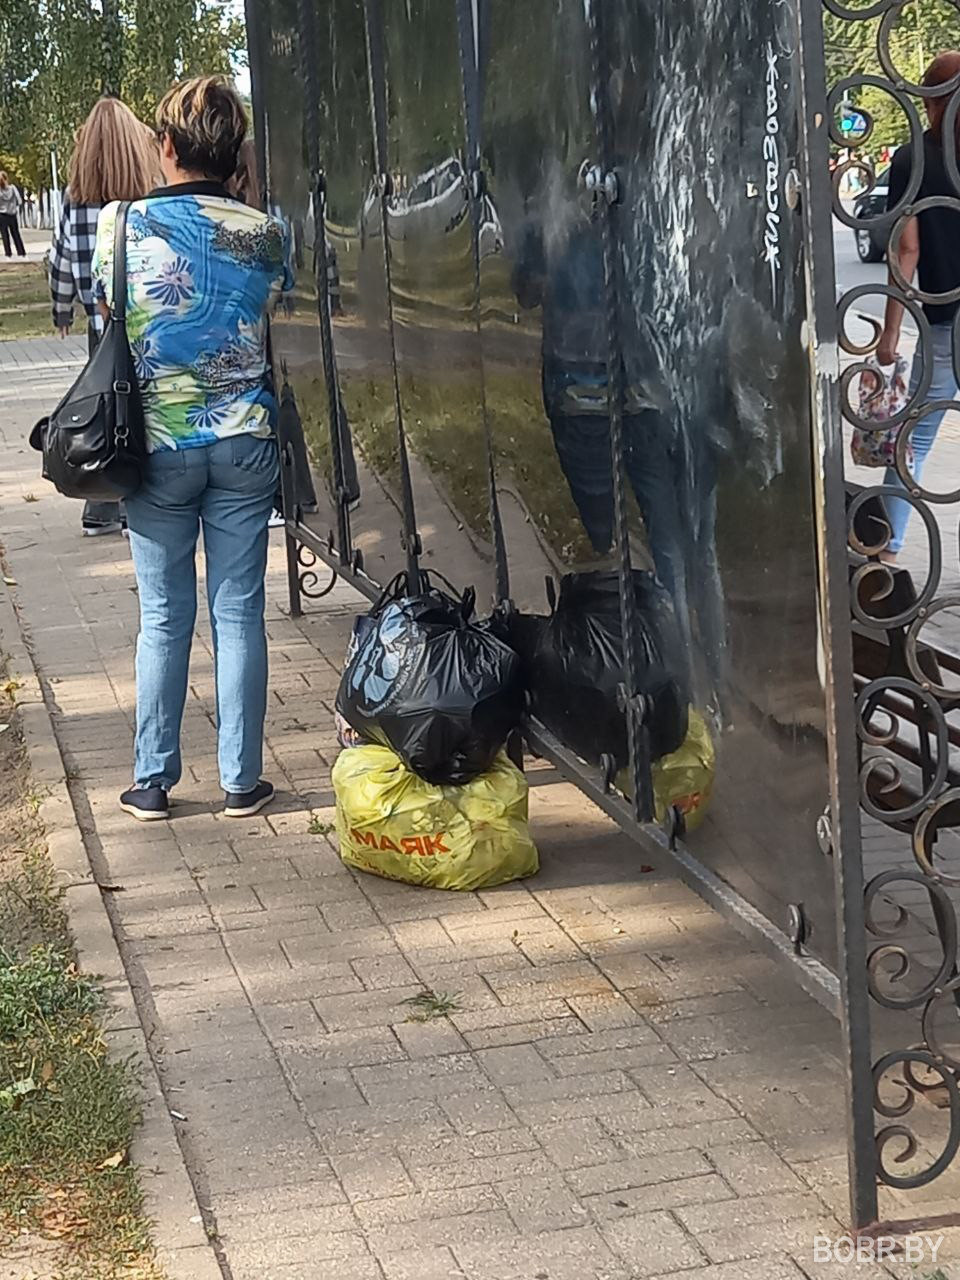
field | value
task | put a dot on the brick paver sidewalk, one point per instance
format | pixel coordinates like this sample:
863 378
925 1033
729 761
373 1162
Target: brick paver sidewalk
625 1090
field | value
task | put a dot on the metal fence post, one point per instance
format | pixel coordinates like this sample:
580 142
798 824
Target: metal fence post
830 507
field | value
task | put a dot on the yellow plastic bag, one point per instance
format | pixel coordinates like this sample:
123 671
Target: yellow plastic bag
393 824
684 779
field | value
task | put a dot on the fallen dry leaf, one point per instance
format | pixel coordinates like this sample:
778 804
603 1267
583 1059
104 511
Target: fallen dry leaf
46 1073
114 1161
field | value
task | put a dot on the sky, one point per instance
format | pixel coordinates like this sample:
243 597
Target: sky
241 73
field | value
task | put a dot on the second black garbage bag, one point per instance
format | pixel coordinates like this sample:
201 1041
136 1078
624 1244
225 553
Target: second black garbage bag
574 663
423 678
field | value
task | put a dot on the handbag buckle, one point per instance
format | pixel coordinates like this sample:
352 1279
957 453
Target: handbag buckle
122 387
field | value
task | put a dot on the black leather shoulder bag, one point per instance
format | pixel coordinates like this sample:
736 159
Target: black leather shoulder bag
94 443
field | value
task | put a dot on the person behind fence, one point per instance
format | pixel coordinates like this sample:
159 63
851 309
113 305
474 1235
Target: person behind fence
115 158
203 272
930 248
11 202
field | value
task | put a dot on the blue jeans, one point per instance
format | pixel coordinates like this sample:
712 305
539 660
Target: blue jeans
943 387
228 488
583 447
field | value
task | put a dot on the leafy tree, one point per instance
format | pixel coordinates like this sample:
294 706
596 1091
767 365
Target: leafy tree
923 29
58 56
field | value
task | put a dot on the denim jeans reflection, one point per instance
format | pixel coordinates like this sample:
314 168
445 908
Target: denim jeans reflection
227 489
943 387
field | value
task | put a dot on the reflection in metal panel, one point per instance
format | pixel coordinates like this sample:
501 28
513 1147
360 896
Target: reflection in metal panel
492 198
718 436
542 303
357 291
283 108
430 240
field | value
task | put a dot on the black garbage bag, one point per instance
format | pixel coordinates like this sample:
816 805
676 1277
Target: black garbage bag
574 663
423 679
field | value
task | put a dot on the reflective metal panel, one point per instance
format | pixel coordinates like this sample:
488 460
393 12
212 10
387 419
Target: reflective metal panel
704 103
356 280
295 334
542 294
432 266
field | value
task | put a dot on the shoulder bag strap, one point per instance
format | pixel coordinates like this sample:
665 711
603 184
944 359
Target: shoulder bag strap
120 263
121 369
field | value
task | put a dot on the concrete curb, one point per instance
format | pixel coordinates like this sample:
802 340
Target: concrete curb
169 1199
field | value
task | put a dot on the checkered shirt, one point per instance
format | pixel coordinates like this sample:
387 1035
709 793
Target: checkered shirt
70 258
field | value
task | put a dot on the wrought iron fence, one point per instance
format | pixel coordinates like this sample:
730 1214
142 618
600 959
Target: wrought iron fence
904 735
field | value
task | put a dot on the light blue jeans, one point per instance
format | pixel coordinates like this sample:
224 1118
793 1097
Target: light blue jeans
943 387
228 488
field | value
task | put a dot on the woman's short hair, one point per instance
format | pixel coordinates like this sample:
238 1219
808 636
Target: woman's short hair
206 123
115 157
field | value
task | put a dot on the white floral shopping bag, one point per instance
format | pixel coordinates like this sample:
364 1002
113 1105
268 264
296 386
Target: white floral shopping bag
882 394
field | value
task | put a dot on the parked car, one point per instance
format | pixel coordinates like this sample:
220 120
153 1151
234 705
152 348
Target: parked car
872 243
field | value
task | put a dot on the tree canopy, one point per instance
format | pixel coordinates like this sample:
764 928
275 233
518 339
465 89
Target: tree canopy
58 56
923 29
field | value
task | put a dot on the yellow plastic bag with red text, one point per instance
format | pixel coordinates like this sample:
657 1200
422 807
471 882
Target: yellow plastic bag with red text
684 779
393 824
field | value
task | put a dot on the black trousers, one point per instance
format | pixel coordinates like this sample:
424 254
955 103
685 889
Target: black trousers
98 514
8 229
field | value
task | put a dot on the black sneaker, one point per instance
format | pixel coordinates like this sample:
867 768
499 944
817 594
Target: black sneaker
146 804
244 804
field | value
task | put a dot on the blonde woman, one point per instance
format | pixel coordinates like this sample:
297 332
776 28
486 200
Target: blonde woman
11 202
115 158
203 272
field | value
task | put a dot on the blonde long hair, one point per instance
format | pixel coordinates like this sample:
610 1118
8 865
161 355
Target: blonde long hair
115 157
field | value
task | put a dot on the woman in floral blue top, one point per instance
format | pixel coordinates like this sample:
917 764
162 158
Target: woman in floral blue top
203 271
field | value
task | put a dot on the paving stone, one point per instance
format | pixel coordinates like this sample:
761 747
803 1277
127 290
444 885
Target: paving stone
372 1176
364 1046
542 1204
652 1243
421 1264
384 1127
750 1212
760 1239
702 1190
579 1253
593 1042
384 971
429 1039
531 1167
456 1148
242 1228
366 1009
753 1169
514 1064
561 981
774 1267
456 1232
271 1255
545 1092
682 1137
572 1144
427 1206
620 1175
430 1078
478 1112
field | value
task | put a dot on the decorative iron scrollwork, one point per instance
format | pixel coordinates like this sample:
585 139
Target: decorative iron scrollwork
904 735
307 576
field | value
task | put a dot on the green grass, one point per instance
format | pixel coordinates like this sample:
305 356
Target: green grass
429 1005
318 827
24 301
68 1109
